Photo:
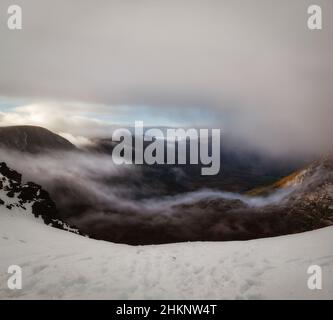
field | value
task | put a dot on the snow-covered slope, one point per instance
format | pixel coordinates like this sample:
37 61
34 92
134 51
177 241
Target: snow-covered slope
62 265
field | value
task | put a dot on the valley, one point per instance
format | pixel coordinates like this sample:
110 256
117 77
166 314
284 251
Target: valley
141 205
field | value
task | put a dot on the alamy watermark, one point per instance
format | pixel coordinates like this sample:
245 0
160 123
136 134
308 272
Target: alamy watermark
315 280
14 21
14 282
314 21
175 146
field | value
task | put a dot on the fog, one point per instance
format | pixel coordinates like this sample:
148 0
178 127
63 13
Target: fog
276 197
116 203
252 69
82 68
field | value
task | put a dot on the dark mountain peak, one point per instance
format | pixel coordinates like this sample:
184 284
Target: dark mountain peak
32 139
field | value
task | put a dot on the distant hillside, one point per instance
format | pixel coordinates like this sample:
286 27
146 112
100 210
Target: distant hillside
32 139
293 179
282 183
241 169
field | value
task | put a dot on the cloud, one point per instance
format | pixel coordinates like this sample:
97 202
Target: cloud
254 67
77 140
73 121
126 204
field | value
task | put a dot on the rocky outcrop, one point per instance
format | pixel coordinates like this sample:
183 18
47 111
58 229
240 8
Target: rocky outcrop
313 197
29 197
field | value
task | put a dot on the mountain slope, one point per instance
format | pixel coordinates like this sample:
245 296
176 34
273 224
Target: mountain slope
28 197
302 202
281 183
32 139
62 265
298 177
312 195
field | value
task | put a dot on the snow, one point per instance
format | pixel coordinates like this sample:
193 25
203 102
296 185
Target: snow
60 265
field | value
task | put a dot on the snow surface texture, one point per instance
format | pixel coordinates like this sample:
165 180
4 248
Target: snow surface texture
60 265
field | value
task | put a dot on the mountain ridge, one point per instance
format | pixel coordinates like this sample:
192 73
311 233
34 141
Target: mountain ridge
32 139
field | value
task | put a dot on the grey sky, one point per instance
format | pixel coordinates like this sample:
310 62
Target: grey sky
253 65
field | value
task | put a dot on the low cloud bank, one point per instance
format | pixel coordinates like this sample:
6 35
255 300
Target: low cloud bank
118 203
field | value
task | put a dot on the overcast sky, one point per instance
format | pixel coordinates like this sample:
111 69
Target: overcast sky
250 67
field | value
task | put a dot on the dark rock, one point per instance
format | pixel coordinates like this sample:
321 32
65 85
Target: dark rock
9 173
31 193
